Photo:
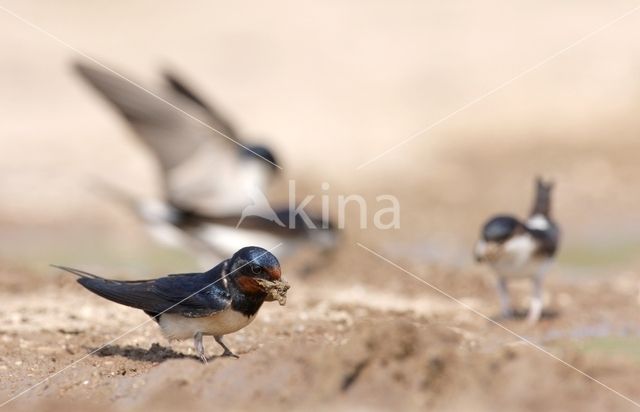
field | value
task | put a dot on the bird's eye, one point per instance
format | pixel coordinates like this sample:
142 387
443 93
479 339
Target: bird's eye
256 270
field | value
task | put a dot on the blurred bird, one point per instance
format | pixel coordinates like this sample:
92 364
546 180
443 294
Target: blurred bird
204 163
211 176
220 301
292 232
521 249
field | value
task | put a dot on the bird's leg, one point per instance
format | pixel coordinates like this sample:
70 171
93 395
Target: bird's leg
197 342
505 300
535 308
227 351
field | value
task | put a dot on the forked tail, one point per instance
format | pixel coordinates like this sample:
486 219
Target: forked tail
77 272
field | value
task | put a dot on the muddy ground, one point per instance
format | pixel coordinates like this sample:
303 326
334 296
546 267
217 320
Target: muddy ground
359 333
339 343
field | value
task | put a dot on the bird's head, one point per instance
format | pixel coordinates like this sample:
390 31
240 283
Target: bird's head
250 264
262 154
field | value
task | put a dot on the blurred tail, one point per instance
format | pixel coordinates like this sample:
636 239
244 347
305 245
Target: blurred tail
542 201
109 190
151 211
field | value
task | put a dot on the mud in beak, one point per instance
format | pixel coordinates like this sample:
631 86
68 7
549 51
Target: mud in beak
275 290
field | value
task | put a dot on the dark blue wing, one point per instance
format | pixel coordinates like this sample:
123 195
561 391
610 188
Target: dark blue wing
191 295
500 228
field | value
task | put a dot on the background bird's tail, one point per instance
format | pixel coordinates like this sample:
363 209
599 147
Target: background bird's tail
542 200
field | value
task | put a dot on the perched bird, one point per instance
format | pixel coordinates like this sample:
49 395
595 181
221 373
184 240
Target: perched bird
214 181
220 301
521 249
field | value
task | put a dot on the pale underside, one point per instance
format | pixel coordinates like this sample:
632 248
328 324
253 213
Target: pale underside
175 326
514 258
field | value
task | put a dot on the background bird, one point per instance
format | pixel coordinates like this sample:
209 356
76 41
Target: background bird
220 301
210 174
521 249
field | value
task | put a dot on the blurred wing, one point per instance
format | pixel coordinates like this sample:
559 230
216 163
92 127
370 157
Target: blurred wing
500 228
199 163
219 122
212 183
171 136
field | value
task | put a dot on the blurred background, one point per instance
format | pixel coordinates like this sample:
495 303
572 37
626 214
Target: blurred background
331 85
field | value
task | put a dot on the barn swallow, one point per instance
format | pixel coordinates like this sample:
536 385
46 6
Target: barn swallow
210 182
521 249
220 301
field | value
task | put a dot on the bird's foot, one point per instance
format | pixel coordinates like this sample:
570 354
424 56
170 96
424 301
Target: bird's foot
535 312
228 353
197 339
533 317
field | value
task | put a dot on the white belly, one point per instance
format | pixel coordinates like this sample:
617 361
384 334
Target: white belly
515 258
175 326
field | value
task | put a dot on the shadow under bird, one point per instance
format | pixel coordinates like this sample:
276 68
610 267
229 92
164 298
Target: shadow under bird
521 249
213 179
220 301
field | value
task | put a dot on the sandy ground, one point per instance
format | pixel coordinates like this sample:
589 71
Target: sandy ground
339 343
330 86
